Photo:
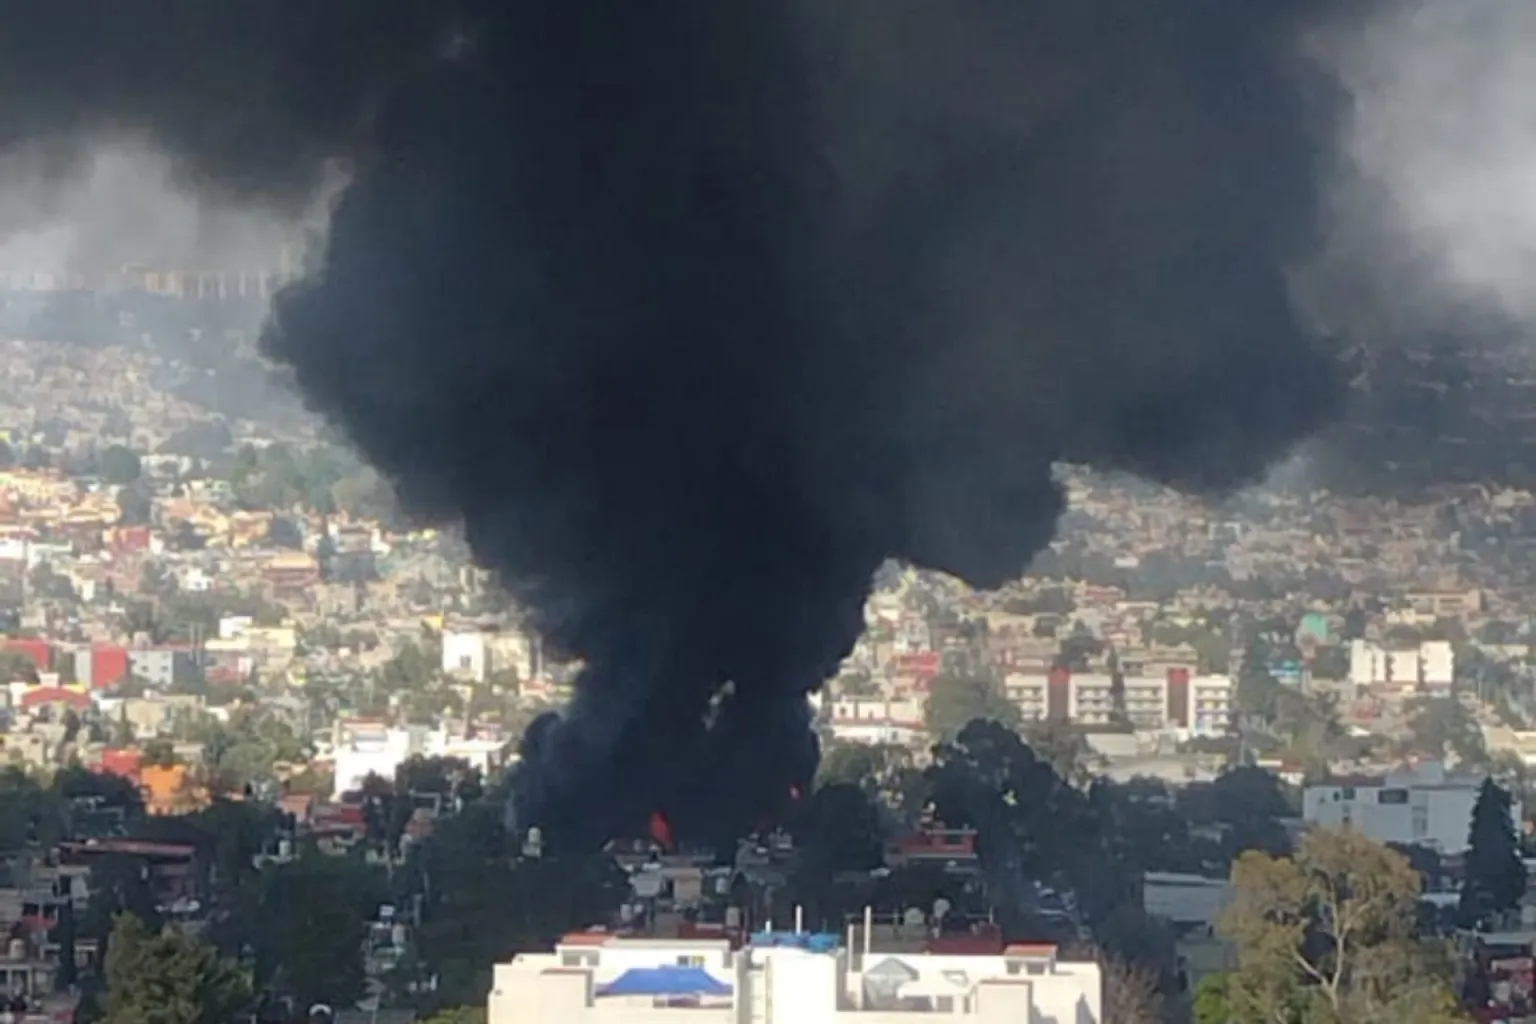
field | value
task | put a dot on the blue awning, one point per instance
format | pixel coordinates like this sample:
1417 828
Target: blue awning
665 981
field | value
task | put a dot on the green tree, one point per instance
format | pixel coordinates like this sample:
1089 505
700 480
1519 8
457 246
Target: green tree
445 776
159 753
15 665
1442 726
415 666
483 905
1131 994
207 439
135 504
36 457
457 1015
1495 873
1211 1005
1247 805
119 886
955 701
309 923
118 466
169 979
29 814
1328 936
1030 823
246 750
886 772
1064 747
838 836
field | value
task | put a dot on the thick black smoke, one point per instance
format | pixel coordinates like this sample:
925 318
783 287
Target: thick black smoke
694 312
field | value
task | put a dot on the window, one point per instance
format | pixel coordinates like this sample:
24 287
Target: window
578 959
1392 796
1348 793
1420 822
690 961
466 662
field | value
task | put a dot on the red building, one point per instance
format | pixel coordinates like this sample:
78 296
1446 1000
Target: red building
109 665
127 539
922 664
124 763
40 651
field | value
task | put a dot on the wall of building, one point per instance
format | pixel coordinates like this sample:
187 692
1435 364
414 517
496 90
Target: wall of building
1437 815
1430 665
465 655
785 985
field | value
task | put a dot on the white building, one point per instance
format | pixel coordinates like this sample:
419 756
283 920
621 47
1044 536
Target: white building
1176 701
875 720
466 654
599 978
1425 806
367 748
364 747
1430 666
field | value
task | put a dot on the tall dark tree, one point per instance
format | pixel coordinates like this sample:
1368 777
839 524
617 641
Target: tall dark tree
1032 825
309 923
135 504
1495 874
484 904
119 466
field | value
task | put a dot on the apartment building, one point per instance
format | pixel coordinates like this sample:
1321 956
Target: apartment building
1176 701
786 979
1429 667
362 747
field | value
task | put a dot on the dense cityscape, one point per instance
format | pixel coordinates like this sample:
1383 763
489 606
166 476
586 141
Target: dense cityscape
767 513
256 723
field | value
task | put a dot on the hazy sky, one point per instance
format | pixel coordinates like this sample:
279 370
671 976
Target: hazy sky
1445 117
121 206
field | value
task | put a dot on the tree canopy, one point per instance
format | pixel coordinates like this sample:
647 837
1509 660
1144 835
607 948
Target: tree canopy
169 978
1328 936
956 700
118 466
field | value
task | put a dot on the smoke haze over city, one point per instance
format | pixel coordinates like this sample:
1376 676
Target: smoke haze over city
692 314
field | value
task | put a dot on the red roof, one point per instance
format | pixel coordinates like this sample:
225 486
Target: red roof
124 763
965 945
43 695
131 847
339 814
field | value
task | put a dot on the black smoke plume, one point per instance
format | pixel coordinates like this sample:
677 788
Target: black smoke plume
695 312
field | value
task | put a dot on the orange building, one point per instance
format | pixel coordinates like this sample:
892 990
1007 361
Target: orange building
171 789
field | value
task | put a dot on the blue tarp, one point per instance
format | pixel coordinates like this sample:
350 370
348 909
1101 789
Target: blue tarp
815 942
665 981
